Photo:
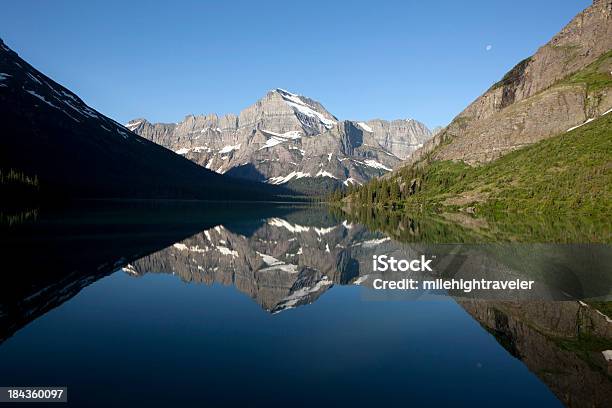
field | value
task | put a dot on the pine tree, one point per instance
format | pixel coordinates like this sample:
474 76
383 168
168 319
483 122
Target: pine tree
394 194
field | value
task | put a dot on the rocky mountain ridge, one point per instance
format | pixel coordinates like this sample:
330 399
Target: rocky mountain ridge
289 138
564 84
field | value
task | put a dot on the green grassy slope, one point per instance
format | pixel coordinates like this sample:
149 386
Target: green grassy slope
567 173
595 76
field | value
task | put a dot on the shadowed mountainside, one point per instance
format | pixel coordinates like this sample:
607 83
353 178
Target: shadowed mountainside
50 134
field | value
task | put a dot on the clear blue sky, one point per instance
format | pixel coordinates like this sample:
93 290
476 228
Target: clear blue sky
376 59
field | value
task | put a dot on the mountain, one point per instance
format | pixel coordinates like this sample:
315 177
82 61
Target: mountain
289 139
564 84
51 136
536 141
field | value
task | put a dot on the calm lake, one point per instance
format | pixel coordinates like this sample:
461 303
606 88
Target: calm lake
184 304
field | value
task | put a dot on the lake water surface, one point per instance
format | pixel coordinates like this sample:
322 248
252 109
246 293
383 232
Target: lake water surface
190 305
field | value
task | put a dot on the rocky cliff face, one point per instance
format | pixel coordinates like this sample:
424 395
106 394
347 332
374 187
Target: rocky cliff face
400 137
289 138
565 83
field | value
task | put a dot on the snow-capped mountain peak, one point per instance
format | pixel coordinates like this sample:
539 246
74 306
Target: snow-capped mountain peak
307 107
285 137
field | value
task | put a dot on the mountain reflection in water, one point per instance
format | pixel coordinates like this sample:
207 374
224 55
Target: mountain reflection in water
284 259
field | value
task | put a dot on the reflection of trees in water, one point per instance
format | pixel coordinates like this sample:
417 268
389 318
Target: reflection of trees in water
406 227
466 228
20 197
11 218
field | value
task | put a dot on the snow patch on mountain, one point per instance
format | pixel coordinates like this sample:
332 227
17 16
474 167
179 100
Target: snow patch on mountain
133 125
296 102
374 242
295 228
293 299
226 251
42 98
200 149
376 165
130 270
269 260
227 149
582 124
274 263
292 175
360 280
85 111
323 173
323 231
589 120
365 127
278 138
292 134
273 141
289 268
195 248
298 229
33 78
350 181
